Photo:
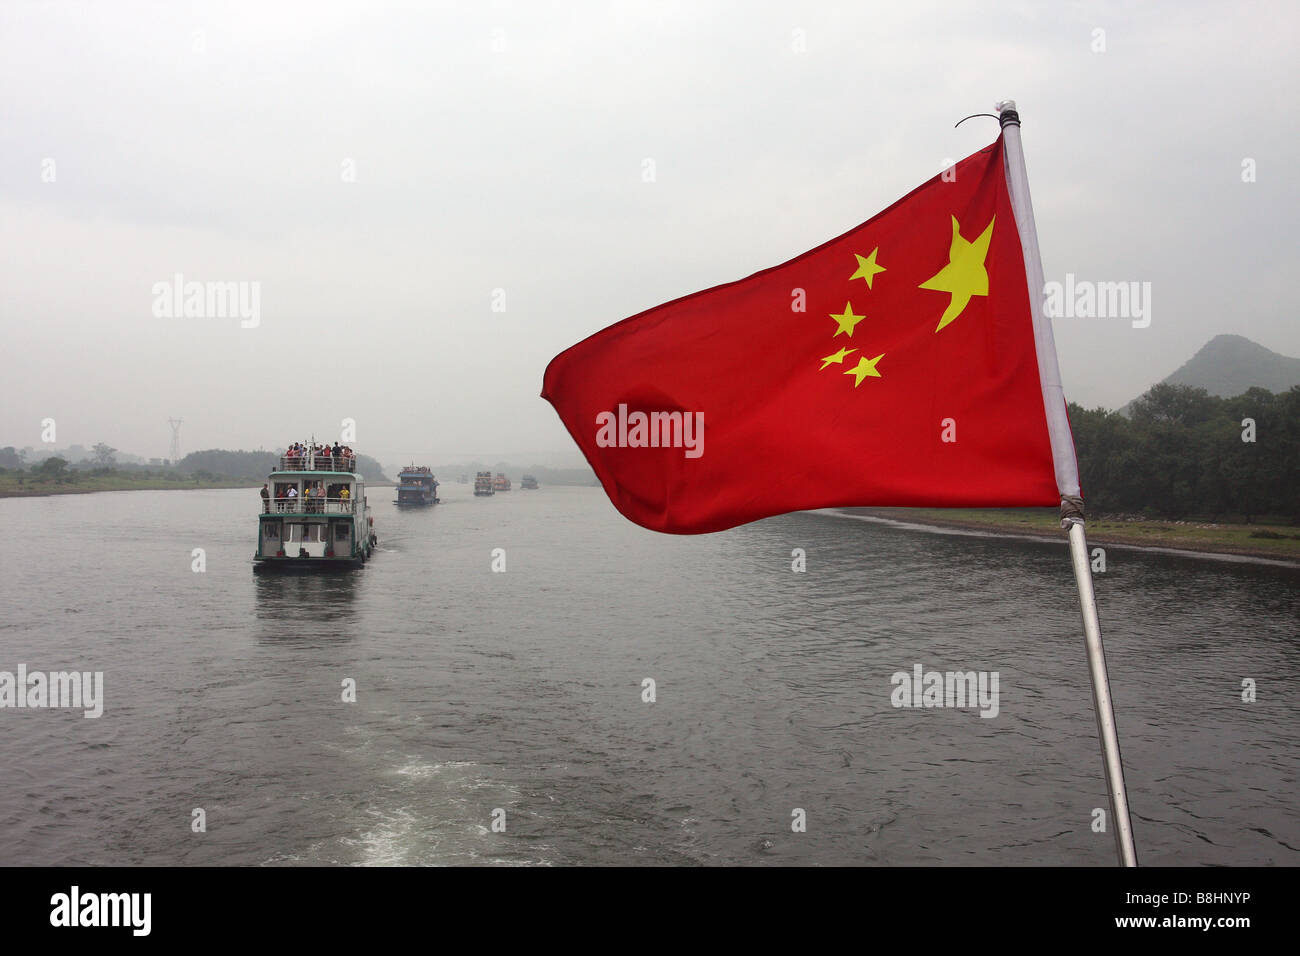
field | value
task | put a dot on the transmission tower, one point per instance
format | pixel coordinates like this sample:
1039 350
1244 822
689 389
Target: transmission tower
175 423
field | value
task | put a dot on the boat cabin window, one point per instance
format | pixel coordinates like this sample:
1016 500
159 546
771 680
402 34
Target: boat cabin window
341 531
270 530
305 532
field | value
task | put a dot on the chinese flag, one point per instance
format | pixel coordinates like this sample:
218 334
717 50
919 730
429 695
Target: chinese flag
893 365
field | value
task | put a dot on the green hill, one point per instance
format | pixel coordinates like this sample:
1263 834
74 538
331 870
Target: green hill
222 462
1229 365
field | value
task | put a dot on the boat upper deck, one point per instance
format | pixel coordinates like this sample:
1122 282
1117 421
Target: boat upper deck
334 464
309 506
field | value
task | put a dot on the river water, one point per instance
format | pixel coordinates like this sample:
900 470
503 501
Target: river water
519 696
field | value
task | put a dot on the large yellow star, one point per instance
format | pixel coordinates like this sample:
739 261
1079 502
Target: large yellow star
847 320
867 267
964 275
865 368
837 358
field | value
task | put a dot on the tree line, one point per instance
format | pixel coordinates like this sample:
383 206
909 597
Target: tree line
1180 453
1184 453
214 463
220 463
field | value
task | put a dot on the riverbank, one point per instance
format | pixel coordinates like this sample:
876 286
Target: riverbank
1279 542
88 484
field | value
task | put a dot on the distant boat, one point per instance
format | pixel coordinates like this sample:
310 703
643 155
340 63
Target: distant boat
416 487
502 483
315 517
483 484
528 483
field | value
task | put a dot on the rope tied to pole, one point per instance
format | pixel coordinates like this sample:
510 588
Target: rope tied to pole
1071 511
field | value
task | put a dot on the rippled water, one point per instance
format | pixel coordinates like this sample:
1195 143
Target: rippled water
522 691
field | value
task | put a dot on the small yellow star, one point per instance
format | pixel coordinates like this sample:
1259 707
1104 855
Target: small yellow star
867 267
837 358
865 368
847 320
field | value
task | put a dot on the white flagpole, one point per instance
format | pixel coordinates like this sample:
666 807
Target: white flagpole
1067 480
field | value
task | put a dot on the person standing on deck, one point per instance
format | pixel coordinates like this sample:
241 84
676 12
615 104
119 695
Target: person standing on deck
266 500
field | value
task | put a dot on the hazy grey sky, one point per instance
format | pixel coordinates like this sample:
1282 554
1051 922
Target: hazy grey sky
503 145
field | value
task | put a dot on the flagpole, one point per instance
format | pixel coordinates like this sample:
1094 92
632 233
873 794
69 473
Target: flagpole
1067 479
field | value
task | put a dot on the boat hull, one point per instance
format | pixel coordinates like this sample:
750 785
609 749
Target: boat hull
288 565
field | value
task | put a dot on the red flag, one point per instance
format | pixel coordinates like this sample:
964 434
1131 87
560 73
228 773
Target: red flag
894 365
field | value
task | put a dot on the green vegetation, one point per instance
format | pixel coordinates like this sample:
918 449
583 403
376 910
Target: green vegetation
215 468
1173 473
60 480
1182 455
258 464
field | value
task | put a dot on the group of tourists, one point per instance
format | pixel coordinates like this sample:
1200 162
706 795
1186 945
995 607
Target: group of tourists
341 454
314 495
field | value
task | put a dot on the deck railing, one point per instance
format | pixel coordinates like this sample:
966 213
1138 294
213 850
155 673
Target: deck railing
317 463
312 506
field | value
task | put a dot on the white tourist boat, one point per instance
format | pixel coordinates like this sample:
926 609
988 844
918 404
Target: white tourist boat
315 516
